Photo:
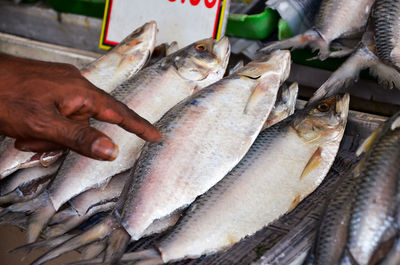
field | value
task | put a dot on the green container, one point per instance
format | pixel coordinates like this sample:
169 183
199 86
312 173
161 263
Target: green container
91 8
258 26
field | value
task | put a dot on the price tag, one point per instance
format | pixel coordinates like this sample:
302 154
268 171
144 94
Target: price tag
184 21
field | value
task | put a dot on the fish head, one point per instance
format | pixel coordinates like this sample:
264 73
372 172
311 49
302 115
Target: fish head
274 65
138 40
324 120
203 62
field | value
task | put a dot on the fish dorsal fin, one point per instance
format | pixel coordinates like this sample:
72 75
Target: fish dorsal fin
313 163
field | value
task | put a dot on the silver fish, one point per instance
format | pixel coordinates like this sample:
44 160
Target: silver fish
124 60
377 195
204 137
335 19
26 184
364 57
150 94
106 73
386 17
262 187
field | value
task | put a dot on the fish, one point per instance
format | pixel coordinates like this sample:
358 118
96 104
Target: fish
106 73
374 206
335 19
393 257
124 60
262 187
12 159
284 105
387 31
150 93
204 137
26 184
364 57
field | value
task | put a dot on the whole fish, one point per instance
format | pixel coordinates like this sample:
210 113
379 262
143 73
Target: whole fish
335 19
27 183
150 94
386 19
374 208
364 57
285 164
204 137
106 73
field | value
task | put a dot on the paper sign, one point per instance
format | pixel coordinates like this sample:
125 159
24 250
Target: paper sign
184 21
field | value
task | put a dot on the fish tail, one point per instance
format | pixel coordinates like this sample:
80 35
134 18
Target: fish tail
38 220
387 76
62 216
24 207
98 232
116 246
11 197
65 226
298 41
289 96
148 257
44 244
16 219
343 76
93 250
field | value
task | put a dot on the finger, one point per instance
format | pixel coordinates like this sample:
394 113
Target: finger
39 146
110 110
81 138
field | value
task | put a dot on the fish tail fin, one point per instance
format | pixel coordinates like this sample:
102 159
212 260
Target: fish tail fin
148 257
11 197
116 246
98 232
65 226
298 41
38 220
17 219
387 76
343 76
44 244
93 250
323 47
289 96
62 216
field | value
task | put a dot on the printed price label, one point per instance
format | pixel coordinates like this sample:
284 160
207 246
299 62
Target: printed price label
184 21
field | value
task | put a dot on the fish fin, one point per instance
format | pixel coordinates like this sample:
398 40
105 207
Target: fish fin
290 97
98 232
25 207
387 76
343 76
93 250
117 243
17 219
312 163
62 216
38 220
255 97
11 197
298 41
366 145
172 47
236 67
45 244
65 226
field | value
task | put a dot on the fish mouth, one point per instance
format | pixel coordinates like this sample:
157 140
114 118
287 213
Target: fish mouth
222 49
342 106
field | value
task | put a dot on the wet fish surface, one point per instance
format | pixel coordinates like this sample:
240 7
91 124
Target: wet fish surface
376 199
150 94
335 19
204 137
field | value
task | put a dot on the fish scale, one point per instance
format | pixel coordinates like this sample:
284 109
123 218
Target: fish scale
374 210
387 31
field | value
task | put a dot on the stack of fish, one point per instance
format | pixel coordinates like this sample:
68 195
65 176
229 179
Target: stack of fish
377 21
212 180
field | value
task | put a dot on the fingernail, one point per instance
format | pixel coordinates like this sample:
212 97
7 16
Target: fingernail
104 149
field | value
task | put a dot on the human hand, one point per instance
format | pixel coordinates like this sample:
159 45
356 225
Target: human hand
47 106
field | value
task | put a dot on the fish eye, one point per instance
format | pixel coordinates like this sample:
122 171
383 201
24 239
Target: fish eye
323 107
200 47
